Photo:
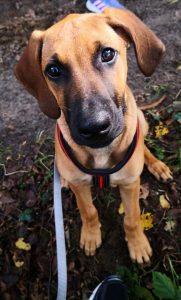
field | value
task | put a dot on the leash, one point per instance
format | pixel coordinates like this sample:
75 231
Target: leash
60 238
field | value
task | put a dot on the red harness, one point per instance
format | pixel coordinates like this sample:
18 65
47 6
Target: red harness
101 177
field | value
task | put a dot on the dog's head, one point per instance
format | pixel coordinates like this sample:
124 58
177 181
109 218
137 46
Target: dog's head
79 66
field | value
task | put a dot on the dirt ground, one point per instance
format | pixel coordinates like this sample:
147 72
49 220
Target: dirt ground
26 159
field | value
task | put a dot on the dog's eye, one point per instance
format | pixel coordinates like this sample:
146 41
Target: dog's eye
53 71
107 55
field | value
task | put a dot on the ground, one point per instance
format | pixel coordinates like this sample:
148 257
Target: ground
26 159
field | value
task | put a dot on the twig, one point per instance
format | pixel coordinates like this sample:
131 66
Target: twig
11 173
154 104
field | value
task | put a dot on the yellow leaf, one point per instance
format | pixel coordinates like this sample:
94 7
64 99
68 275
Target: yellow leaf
20 244
18 263
164 202
121 209
160 130
146 221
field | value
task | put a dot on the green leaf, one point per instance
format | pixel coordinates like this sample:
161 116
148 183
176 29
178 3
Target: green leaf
45 198
143 293
26 215
163 286
169 109
159 152
177 116
178 294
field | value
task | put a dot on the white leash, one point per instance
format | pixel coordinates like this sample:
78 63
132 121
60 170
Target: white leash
60 238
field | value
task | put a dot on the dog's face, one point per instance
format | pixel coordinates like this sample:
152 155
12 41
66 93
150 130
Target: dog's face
87 75
79 66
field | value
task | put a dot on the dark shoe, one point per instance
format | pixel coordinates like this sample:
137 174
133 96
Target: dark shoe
112 288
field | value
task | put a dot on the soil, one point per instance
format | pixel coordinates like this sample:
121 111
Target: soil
26 159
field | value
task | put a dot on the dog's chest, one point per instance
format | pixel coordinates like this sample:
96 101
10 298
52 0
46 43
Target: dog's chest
101 160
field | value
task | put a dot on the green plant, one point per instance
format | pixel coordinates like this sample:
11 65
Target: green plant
162 286
132 280
156 146
26 215
160 88
165 288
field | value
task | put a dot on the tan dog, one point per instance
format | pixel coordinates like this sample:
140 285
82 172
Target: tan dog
79 67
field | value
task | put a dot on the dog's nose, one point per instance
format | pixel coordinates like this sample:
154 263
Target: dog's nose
95 126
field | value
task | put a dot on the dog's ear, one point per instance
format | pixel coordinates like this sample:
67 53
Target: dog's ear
148 47
28 72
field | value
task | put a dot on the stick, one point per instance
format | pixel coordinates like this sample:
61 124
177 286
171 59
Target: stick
154 104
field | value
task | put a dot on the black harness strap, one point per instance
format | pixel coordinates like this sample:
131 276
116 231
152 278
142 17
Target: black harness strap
101 177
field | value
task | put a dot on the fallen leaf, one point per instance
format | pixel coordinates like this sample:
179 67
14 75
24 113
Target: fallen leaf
174 187
20 244
164 202
9 157
146 221
169 225
121 209
144 191
30 198
17 263
168 247
160 130
26 215
71 266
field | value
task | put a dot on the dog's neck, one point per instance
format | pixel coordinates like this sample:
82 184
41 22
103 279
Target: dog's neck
109 156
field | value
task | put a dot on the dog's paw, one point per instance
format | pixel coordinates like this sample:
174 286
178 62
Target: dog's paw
90 239
160 170
139 249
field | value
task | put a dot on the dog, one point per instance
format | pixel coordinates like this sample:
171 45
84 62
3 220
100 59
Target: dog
77 70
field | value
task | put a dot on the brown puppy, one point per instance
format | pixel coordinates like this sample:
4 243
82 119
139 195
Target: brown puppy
79 67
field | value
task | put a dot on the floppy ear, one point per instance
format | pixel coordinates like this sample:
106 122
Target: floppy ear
28 72
148 47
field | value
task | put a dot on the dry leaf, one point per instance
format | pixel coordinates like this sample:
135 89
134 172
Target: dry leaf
164 202
169 225
144 191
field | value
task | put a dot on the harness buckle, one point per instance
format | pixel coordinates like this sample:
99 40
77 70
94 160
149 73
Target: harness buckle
101 181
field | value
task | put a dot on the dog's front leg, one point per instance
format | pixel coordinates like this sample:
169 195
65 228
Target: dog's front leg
139 247
90 238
